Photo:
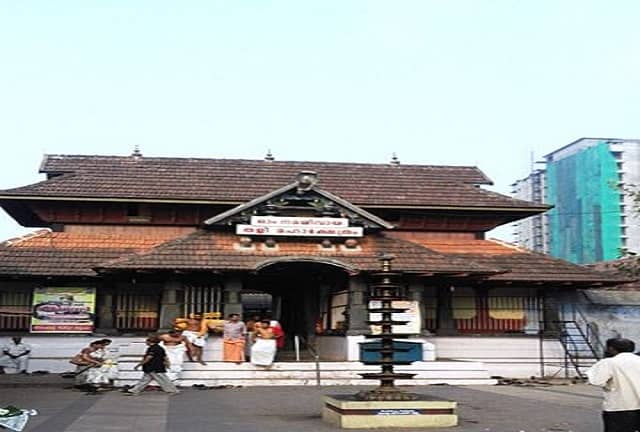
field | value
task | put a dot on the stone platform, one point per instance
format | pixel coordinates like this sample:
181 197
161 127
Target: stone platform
346 412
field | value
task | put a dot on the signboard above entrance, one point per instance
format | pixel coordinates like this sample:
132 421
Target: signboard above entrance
299 226
299 221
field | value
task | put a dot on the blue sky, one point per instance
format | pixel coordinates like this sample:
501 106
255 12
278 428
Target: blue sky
486 83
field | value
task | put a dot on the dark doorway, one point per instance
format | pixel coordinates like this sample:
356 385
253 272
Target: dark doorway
299 292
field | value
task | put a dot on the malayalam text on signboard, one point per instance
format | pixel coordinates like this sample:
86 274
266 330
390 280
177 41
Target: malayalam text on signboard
299 226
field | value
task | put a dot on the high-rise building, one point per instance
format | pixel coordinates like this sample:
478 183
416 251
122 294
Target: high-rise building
593 218
531 233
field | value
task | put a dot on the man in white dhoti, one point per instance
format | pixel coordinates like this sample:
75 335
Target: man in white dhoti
196 333
15 354
175 346
263 351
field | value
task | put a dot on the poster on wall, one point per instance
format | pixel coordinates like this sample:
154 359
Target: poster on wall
63 310
412 315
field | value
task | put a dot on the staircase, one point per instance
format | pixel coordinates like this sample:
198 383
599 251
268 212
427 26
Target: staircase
218 373
580 353
286 371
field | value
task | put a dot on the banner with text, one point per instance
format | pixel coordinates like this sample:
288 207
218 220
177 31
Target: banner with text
63 310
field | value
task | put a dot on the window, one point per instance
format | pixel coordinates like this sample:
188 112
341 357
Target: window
138 213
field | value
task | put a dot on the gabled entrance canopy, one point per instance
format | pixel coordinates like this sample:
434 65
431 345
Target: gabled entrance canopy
301 198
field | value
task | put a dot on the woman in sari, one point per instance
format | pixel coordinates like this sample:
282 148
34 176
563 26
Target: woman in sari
107 372
263 351
85 361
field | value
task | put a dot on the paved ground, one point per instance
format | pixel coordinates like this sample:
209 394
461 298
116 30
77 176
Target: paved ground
553 408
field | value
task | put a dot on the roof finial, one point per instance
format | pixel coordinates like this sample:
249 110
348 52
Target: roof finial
136 152
394 160
306 181
269 157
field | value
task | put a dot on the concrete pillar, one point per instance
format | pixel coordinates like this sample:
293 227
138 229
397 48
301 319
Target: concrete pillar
446 324
170 306
231 287
357 308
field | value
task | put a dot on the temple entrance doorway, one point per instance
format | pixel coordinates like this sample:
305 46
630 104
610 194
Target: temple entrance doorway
298 295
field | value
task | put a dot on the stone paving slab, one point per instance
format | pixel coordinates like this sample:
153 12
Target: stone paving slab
555 408
37 380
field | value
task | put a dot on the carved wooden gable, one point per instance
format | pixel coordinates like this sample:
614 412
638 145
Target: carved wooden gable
304 204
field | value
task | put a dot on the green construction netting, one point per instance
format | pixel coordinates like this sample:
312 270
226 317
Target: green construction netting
584 225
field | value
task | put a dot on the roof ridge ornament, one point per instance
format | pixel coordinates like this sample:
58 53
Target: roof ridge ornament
306 180
137 154
269 156
394 159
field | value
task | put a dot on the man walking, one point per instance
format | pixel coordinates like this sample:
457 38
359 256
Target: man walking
154 365
15 354
619 375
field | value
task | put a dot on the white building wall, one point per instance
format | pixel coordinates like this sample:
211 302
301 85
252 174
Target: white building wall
517 357
629 176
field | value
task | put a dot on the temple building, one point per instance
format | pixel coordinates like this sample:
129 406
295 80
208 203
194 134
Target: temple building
149 239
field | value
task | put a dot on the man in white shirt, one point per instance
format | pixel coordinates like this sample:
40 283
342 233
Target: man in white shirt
619 376
15 354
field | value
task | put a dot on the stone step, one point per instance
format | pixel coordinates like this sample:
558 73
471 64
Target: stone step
266 374
304 373
127 363
312 382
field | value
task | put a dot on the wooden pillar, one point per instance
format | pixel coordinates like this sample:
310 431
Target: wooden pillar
446 324
357 308
104 310
232 301
170 306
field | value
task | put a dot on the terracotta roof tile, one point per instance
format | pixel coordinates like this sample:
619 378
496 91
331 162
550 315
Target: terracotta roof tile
624 267
45 253
235 181
207 250
522 265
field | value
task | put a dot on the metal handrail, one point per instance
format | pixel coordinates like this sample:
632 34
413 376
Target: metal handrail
569 344
311 350
577 315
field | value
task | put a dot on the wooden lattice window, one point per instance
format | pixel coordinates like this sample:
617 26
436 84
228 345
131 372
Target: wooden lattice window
202 298
15 309
137 311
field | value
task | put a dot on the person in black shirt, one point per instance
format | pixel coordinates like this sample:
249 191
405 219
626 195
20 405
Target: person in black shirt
154 365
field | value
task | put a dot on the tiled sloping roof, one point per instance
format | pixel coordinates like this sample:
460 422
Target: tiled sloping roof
207 250
45 253
523 265
624 267
235 181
